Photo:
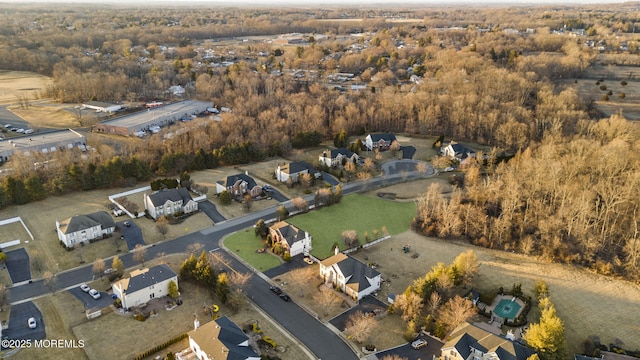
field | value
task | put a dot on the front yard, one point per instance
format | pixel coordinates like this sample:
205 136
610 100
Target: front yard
245 243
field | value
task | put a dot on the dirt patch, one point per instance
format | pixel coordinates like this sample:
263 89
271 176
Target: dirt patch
47 115
577 294
15 84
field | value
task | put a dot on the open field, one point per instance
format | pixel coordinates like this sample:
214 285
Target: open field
355 212
47 115
589 304
245 243
14 84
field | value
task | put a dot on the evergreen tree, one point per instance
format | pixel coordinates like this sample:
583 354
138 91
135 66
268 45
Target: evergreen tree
547 336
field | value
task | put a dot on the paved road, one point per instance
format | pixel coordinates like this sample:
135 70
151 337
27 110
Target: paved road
317 337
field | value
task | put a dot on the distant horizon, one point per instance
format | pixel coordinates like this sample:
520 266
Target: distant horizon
316 3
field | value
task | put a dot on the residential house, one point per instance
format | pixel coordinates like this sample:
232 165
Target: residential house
457 152
295 170
84 228
468 341
292 239
350 275
220 339
337 157
238 185
379 141
144 285
169 202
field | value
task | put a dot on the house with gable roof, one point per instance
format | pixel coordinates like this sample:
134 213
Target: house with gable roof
292 239
144 285
238 185
350 275
468 341
169 202
84 228
336 157
295 170
220 339
379 141
457 152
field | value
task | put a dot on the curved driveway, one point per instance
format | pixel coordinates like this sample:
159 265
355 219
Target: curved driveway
316 336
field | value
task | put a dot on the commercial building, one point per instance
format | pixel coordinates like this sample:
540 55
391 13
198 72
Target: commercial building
44 143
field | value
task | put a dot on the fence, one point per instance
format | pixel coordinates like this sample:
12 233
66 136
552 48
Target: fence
17 219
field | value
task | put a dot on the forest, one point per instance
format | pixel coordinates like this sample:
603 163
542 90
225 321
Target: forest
478 75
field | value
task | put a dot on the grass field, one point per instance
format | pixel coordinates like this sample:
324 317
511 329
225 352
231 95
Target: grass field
589 304
355 212
245 243
20 83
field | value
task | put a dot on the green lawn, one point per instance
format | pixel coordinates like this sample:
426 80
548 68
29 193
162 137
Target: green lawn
355 212
245 243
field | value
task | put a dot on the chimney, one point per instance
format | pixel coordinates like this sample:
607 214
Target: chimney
246 172
336 250
196 324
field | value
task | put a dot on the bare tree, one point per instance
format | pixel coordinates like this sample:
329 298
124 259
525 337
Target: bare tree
139 253
359 327
325 297
78 247
247 202
433 304
238 281
394 148
195 248
162 225
49 280
467 266
409 304
350 238
394 357
302 277
306 180
36 260
455 311
300 204
98 267
3 296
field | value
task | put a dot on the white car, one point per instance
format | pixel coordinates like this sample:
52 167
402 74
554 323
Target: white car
32 323
420 343
85 287
7 126
94 294
28 131
20 131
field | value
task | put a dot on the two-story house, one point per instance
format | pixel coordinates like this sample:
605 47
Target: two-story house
238 185
220 339
350 275
295 171
84 228
144 285
337 157
292 239
169 202
468 341
458 152
379 141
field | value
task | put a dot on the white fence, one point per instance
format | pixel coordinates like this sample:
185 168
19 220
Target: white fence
364 246
17 219
113 198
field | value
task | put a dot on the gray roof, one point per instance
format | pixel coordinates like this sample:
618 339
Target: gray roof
386 137
82 222
358 271
298 166
292 234
152 276
230 180
231 336
160 198
462 150
339 151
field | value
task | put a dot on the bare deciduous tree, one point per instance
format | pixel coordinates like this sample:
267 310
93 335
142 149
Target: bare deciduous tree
409 304
325 298
98 267
139 253
350 238
162 225
359 326
455 311
300 204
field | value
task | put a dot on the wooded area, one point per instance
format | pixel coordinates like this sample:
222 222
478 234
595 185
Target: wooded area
477 75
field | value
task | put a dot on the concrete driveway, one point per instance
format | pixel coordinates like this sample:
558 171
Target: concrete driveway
18 265
18 328
211 211
89 302
132 233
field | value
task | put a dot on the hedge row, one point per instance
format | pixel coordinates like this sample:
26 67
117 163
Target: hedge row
162 346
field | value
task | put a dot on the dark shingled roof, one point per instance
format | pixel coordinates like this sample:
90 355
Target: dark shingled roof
339 151
298 166
231 336
358 271
462 150
408 152
82 222
230 180
160 198
152 276
291 233
386 137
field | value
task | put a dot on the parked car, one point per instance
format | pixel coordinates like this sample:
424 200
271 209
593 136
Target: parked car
127 224
6 126
275 289
308 260
28 131
285 297
20 131
108 271
32 323
118 212
419 343
85 287
94 294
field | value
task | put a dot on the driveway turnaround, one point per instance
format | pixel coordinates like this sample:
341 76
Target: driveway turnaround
18 326
18 265
89 302
132 233
210 210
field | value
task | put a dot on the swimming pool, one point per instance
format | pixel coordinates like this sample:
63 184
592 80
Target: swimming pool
507 309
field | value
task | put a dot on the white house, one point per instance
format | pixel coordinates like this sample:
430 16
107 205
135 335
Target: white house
84 228
238 185
292 239
144 285
350 275
102 106
169 202
220 339
295 170
335 157
471 342
379 141
458 152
